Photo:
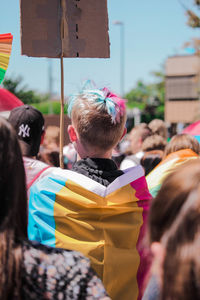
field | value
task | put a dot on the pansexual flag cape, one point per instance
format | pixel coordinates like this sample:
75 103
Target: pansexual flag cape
70 210
169 164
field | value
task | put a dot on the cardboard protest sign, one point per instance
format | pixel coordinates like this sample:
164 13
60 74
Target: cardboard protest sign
85 28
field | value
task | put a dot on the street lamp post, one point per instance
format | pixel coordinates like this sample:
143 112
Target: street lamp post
121 24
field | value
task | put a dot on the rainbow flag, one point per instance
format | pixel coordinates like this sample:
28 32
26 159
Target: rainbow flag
107 224
169 164
5 52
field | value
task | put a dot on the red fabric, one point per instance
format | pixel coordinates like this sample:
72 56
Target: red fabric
8 101
193 129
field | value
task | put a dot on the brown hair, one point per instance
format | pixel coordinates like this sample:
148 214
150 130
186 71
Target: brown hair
158 127
173 193
141 130
94 124
13 212
174 220
182 141
181 268
154 142
150 160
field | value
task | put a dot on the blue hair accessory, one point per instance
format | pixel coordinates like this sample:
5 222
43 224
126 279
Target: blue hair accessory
100 96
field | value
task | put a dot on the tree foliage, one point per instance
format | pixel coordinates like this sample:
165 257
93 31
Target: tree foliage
149 97
193 19
26 95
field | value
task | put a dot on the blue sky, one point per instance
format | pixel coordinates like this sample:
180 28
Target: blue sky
154 30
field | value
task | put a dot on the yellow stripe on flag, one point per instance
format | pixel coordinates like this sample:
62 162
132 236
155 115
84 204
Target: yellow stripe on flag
96 226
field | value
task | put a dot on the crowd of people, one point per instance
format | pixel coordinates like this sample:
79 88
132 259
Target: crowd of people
119 222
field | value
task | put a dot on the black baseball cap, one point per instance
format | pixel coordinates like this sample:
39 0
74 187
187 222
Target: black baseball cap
29 125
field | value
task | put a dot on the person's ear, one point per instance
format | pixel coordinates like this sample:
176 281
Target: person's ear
124 132
42 137
72 133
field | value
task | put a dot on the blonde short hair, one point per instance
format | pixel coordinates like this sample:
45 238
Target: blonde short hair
99 118
158 127
182 141
154 142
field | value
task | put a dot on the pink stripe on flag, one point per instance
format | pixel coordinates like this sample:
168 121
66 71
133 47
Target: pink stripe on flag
142 193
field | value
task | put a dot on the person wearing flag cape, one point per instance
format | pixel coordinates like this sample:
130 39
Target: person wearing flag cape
96 208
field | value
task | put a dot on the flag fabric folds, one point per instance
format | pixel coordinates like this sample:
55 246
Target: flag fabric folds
169 164
107 224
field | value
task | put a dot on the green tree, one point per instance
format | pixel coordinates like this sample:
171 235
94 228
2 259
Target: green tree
149 97
26 95
193 21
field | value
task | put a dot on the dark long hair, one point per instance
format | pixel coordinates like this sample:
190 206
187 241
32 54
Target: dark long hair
13 212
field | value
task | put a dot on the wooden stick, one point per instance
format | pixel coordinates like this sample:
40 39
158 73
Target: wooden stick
62 87
62 115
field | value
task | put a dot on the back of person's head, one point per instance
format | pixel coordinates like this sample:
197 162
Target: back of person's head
154 142
137 136
52 137
158 127
150 160
29 125
13 213
180 142
99 118
181 244
174 191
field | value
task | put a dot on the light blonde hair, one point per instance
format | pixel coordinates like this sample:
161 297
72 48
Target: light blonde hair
158 127
154 142
99 118
182 141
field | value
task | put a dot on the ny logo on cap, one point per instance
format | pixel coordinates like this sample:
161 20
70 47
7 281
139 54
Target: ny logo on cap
24 130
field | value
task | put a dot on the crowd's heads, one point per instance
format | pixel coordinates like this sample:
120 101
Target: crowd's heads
29 125
98 116
150 160
182 141
158 127
153 148
13 212
174 222
137 136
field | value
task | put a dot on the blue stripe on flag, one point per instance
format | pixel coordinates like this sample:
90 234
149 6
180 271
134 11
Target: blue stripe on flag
41 222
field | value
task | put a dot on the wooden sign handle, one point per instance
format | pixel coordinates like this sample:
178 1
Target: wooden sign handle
62 87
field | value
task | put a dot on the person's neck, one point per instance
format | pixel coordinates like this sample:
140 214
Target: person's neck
107 155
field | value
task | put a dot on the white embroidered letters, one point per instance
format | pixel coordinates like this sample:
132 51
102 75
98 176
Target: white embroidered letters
24 130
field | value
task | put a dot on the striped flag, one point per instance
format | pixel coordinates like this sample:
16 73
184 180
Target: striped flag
169 164
107 224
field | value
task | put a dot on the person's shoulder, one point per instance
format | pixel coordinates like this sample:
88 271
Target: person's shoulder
45 254
128 162
55 271
34 163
